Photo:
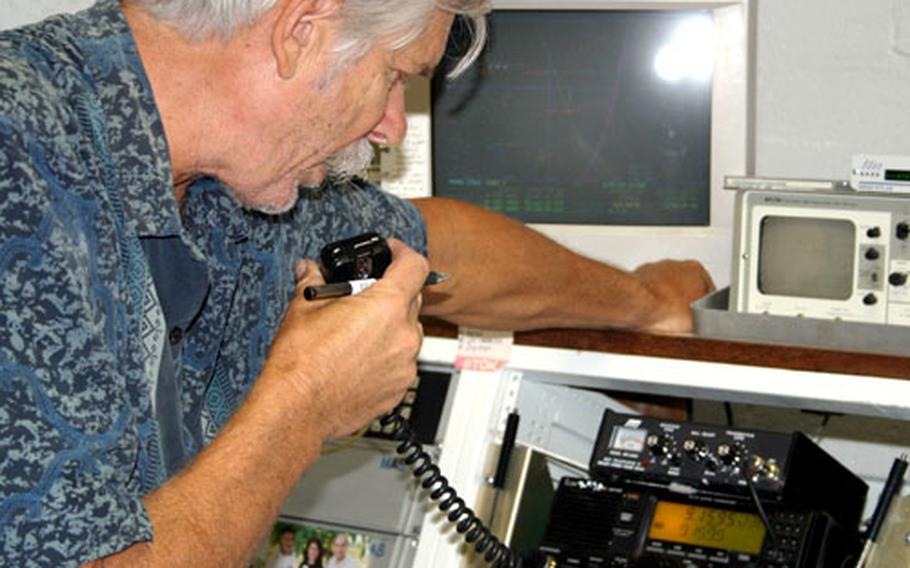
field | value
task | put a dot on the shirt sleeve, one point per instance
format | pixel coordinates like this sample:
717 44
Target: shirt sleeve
349 209
69 436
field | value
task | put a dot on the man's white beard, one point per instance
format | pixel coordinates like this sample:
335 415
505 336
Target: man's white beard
340 167
350 161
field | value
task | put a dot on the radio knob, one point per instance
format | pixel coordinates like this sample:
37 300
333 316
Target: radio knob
730 454
874 232
870 299
772 470
902 231
695 449
759 468
897 279
659 445
756 467
872 254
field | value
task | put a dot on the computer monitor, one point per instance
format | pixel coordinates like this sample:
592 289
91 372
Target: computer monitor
607 126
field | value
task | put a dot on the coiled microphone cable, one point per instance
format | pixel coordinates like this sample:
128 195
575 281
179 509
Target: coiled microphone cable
429 475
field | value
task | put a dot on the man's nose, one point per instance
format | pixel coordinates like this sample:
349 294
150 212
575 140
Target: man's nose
393 126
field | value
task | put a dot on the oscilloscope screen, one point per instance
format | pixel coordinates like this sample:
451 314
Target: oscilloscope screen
569 118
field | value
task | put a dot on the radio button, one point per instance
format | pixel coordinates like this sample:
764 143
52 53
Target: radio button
719 558
870 299
897 279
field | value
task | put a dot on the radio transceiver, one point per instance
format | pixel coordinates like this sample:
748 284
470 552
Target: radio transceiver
675 494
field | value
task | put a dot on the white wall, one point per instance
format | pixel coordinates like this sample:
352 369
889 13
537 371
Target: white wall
833 79
18 12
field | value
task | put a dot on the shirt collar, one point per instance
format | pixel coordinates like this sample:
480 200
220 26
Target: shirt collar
208 208
135 134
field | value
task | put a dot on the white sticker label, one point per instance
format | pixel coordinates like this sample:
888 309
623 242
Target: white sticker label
358 286
481 350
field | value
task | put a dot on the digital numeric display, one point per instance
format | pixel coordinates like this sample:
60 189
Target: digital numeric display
707 527
897 175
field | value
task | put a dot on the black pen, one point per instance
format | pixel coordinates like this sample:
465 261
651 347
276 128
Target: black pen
351 287
891 489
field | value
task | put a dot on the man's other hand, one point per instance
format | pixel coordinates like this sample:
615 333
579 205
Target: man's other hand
675 284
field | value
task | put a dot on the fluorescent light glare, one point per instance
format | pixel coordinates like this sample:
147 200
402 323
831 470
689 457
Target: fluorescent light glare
690 52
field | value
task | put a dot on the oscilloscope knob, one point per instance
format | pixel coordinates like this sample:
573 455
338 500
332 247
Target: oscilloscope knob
897 278
902 231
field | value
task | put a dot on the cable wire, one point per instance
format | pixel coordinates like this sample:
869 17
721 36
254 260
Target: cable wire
346 443
761 509
430 477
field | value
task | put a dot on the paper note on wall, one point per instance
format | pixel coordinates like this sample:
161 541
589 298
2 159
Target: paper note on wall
406 170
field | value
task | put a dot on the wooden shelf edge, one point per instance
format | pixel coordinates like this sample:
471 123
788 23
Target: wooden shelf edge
701 349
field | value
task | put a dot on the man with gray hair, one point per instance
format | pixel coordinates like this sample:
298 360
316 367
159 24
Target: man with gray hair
163 169
340 558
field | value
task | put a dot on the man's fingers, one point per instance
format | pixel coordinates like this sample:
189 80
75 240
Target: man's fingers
409 269
308 274
706 281
709 282
301 269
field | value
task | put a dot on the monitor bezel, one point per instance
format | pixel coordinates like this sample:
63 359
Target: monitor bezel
629 246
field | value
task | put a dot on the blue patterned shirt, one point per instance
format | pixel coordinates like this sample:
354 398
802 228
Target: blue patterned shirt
85 186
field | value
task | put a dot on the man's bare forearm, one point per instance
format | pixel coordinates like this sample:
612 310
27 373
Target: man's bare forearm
507 276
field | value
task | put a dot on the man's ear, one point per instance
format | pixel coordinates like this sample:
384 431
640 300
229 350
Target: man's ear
294 31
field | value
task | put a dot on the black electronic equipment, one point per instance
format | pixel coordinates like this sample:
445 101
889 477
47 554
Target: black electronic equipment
786 468
676 494
356 258
593 525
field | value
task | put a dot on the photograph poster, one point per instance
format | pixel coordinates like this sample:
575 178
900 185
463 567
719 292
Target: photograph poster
295 545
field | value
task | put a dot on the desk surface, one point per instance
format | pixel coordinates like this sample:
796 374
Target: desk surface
711 350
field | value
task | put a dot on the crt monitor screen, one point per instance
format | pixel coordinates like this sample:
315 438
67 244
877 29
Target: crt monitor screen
806 257
596 117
